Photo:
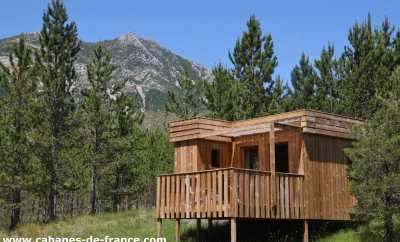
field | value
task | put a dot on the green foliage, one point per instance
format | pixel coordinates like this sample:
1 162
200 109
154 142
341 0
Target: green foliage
223 95
315 86
55 58
375 169
327 83
304 80
366 66
373 230
280 99
247 89
254 62
341 236
17 108
97 118
187 101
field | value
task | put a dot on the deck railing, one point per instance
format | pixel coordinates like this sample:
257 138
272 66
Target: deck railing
230 192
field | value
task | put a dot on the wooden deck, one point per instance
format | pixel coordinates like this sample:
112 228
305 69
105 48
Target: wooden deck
230 193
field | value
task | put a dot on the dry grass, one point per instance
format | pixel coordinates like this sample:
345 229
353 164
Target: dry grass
136 223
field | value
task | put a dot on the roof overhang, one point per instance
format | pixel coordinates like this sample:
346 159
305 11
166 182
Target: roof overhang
248 130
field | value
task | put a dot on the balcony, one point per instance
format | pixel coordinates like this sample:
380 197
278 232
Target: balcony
230 193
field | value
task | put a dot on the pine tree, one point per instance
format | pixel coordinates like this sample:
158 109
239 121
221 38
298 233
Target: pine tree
59 46
375 168
303 78
187 101
366 66
223 96
17 118
98 118
156 159
280 100
327 81
126 141
254 62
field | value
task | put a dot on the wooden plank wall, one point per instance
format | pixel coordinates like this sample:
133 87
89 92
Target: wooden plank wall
262 141
195 155
327 124
185 156
326 183
189 129
204 153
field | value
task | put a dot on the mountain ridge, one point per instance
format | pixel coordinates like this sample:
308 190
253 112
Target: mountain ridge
151 70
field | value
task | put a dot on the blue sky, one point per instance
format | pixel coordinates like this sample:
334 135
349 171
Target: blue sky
204 31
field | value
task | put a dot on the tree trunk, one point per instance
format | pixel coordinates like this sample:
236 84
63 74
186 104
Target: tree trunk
116 196
16 210
388 223
52 169
92 198
51 209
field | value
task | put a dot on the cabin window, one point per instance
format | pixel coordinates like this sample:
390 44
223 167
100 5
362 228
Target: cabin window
215 158
251 160
282 157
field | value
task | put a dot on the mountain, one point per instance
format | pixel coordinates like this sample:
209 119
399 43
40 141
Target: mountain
151 70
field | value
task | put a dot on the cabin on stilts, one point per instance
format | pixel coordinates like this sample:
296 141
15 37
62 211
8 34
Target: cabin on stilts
284 166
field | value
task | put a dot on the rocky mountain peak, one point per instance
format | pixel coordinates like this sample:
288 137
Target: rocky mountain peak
151 70
128 38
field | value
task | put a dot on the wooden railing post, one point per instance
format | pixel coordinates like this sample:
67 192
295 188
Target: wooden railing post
272 163
233 230
159 223
178 230
305 231
198 230
234 195
158 197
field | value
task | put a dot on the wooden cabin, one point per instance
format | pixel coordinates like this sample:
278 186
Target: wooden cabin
284 166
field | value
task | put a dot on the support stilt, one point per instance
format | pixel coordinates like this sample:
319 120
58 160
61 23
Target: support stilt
198 232
159 223
233 229
178 230
305 231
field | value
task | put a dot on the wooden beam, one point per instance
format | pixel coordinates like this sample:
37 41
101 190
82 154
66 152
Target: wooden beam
159 223
230 131
199 120
272 162
210 224
196 136
226 131
178 230
233 230
305 231
198 231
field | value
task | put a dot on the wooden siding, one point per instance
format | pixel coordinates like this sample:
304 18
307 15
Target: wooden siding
293 138
195 155
204 153
185 156
326 178
230 192
190 129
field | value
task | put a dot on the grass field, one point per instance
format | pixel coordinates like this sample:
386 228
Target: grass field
140 223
